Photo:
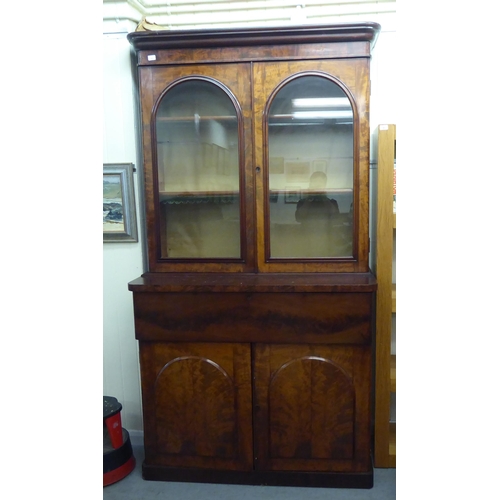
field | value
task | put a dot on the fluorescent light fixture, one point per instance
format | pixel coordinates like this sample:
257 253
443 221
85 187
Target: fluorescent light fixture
322 114
298 124
322 102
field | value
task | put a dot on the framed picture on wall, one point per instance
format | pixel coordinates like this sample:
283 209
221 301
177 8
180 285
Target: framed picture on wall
292 195
119 222
297 172
277 165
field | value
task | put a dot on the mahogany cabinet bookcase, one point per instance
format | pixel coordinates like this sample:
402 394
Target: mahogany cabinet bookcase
254 318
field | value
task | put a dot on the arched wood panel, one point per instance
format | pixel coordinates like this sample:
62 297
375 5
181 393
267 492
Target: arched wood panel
195 413
311 410
312 407
198 404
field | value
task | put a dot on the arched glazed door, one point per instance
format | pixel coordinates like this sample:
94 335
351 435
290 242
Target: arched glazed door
311 201
199 216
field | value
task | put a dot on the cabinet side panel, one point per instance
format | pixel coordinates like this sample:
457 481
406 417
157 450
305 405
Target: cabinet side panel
362 152
147 102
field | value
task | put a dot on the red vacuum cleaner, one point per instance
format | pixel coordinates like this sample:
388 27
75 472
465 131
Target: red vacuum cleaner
118 459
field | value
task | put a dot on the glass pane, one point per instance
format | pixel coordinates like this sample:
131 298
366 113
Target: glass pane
198 174
311 170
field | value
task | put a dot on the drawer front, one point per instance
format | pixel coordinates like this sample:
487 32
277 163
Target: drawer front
254 317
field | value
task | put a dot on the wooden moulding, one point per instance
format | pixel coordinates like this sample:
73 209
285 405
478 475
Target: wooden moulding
349 32
252 44
254 282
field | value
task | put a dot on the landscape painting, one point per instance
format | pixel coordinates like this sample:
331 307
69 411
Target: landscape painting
118 203
112 208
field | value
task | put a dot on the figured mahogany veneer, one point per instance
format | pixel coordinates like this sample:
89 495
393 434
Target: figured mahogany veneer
256 373
256 369
245 308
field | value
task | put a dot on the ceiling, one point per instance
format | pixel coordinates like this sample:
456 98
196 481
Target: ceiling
189 14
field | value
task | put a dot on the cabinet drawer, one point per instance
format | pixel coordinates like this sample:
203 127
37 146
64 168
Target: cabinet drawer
254 317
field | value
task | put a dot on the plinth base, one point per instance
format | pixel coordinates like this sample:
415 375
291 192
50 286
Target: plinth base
362 480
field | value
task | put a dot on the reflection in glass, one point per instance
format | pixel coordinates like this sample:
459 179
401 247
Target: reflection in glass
311 175
198 173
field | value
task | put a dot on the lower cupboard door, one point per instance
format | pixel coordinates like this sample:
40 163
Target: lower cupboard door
312 408
197 405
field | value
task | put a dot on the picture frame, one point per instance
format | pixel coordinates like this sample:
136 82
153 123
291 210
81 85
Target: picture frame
119 212
292 195
277 165
297 172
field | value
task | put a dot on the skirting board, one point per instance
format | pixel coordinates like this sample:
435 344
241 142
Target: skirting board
136 438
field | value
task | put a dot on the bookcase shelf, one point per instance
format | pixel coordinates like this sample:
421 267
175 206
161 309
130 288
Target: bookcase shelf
385 360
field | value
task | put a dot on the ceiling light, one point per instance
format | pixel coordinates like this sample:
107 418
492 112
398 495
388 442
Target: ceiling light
322 114
322 102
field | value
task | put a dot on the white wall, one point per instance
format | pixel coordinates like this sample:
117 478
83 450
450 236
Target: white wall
383 104
123 262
